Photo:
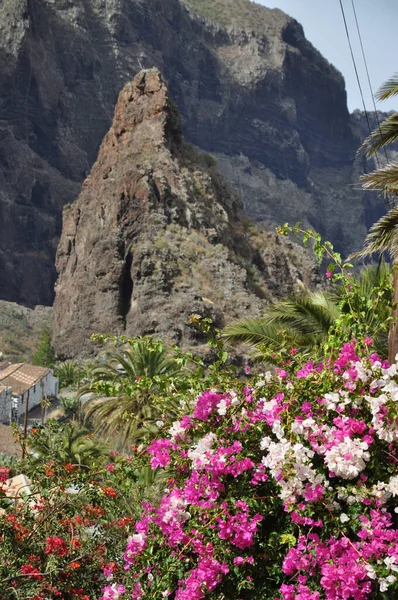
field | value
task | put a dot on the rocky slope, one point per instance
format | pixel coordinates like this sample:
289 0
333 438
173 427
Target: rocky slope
157 235
21 329
251 90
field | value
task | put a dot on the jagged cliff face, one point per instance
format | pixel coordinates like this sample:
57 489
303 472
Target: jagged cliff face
157 235
262 100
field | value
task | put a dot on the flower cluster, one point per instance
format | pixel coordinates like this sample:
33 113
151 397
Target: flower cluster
62 530
291 477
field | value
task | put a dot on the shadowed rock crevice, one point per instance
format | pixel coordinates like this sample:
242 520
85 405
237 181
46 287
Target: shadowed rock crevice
125 288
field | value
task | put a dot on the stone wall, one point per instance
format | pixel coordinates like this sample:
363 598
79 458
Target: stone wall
5 405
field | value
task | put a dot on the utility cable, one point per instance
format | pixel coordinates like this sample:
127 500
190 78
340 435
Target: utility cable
355 65
367 74
387 200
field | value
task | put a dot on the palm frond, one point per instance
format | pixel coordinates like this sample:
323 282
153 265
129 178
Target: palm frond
373 276
302 320
388 89
382 237
255 331
307 313
384 179
386 133
118 419
68 443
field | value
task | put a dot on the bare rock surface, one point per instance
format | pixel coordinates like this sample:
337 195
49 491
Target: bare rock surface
157 234
250 88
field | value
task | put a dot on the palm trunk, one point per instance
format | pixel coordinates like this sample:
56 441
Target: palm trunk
393 334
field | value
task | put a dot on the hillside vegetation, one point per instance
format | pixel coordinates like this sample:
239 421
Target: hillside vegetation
239 13
21 329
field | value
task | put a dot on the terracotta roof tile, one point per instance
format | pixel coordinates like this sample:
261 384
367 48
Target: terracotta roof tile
21 377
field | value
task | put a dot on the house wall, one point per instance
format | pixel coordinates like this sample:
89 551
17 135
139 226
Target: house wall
48 386
5 406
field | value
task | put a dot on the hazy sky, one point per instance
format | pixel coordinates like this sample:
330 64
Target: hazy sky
324 27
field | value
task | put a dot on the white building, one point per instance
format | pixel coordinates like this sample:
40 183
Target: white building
24 380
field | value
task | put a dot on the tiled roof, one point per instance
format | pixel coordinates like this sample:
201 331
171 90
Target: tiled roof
21 377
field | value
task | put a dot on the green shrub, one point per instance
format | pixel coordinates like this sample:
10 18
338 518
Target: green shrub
70 406
44 355
69 373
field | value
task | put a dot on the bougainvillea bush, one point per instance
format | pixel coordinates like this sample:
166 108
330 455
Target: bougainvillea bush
284 489
58 534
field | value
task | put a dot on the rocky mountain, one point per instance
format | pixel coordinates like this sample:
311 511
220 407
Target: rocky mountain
157 235
250 88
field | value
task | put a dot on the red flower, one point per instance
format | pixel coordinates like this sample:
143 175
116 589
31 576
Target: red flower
95 511
49 471
123 522
108 491
31 571
56 545
79 593
76 544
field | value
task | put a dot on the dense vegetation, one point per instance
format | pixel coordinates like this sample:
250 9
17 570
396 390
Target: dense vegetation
252 485
21 330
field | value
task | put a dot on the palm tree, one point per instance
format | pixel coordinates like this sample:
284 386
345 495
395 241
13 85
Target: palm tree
383 236
69 373
386 178
303 320
63 444
123 390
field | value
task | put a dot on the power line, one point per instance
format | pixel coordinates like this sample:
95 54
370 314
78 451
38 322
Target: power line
355 65
367 73
387 199
388 202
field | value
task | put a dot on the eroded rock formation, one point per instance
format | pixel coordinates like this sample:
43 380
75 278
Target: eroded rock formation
156 235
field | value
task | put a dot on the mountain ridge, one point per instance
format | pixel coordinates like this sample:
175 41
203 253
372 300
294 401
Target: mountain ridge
267 106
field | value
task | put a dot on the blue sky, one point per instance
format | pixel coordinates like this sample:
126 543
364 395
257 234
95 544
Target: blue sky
324 27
